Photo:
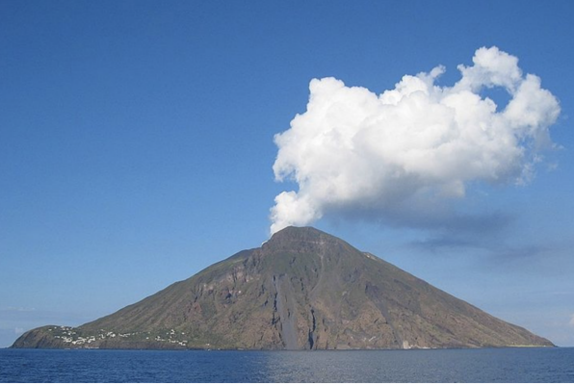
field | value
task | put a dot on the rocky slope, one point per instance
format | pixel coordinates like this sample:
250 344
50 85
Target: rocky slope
303 289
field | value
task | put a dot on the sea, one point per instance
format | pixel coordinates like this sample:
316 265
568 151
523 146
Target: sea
456 365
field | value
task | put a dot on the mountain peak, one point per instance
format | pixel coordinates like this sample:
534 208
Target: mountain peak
294 232
303 240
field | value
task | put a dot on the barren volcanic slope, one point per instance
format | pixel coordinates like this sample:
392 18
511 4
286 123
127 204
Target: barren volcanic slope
303 289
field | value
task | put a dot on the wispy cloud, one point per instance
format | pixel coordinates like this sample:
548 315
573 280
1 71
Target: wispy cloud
405 154
17 309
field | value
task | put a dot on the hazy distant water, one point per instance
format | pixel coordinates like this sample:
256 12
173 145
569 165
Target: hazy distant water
484 365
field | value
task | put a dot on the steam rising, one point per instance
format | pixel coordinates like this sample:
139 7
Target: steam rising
411 147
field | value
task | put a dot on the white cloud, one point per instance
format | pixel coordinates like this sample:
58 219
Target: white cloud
571 323
413 147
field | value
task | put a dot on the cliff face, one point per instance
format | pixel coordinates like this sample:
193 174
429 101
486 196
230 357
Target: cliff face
303 289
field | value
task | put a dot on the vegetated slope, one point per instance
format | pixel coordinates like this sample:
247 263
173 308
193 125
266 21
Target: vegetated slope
303 289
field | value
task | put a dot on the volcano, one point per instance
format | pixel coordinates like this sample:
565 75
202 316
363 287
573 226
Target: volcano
302 289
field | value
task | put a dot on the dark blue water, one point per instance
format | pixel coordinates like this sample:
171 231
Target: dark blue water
480 365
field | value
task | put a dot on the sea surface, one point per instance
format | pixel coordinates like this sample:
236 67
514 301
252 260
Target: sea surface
464 365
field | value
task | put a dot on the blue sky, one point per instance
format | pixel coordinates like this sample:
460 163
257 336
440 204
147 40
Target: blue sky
137 148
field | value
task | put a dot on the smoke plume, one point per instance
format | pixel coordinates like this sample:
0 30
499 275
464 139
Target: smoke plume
411 148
